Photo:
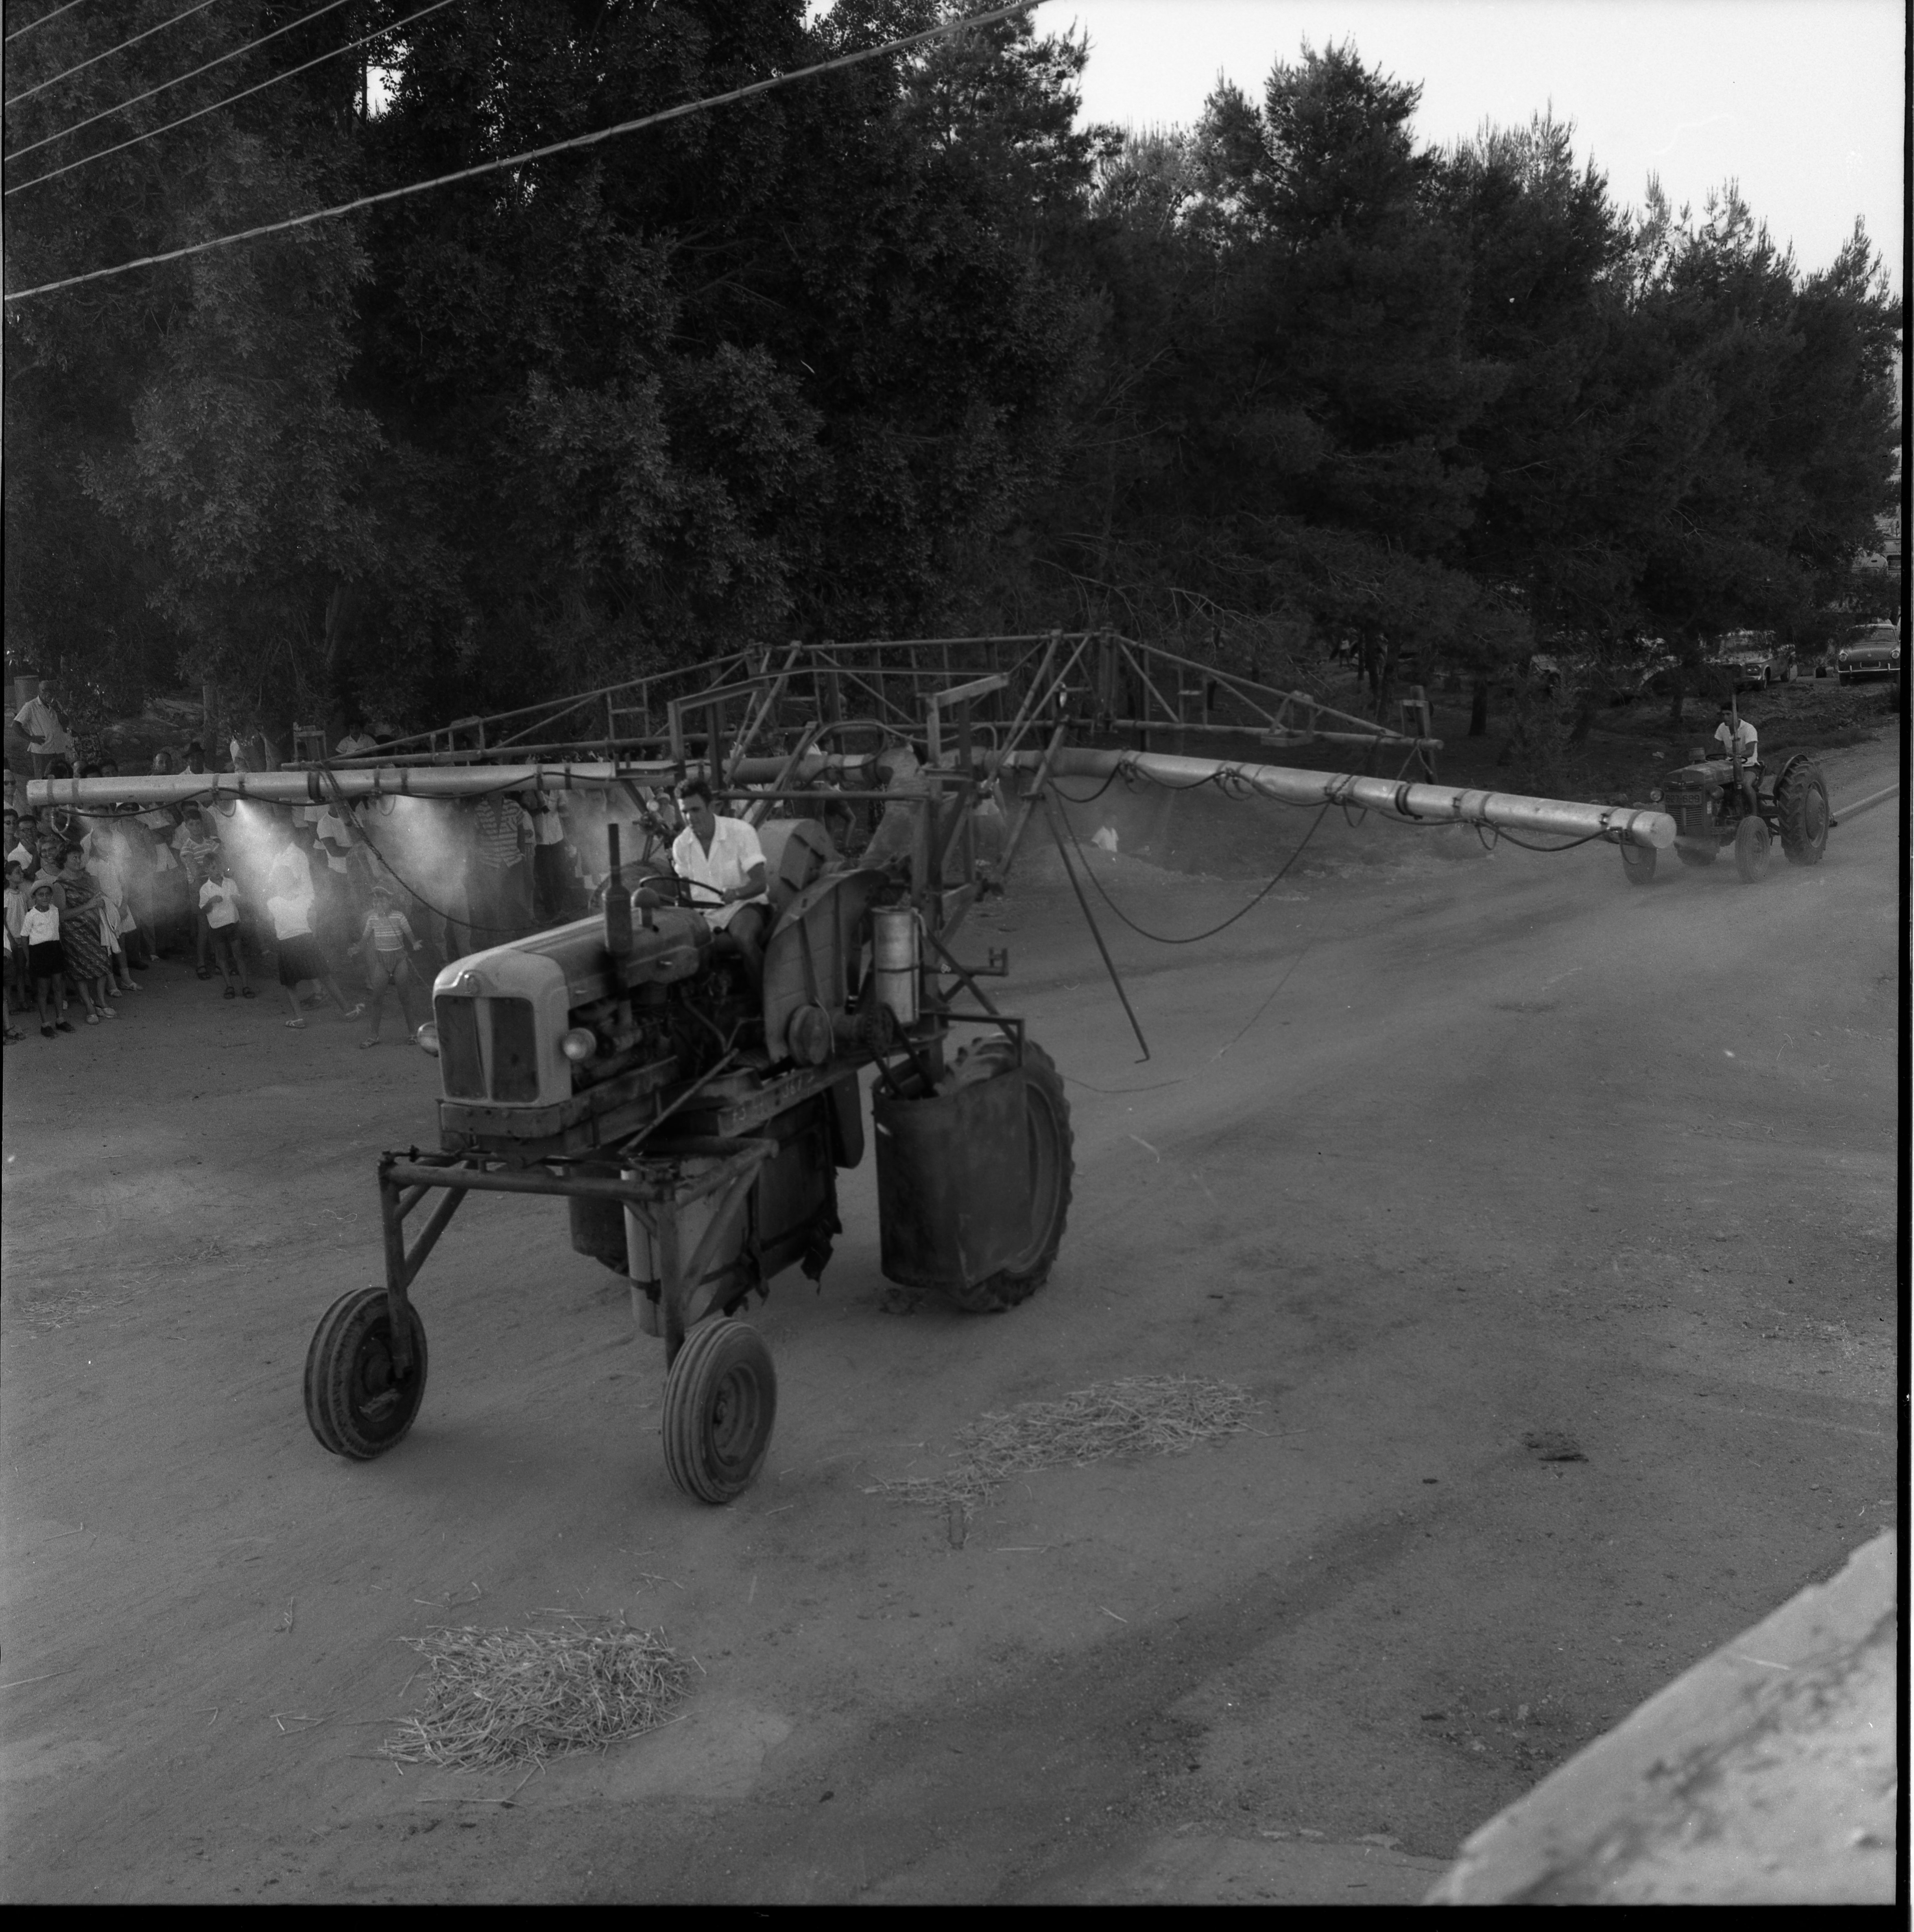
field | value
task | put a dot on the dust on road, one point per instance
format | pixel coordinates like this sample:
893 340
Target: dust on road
1516 1154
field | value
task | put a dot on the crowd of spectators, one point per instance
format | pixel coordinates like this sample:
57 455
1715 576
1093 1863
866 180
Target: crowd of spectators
340 905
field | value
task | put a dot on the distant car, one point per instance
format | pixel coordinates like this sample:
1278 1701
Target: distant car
1755 661
1873 650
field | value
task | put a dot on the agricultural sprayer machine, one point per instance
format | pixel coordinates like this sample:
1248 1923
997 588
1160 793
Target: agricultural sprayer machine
692 1105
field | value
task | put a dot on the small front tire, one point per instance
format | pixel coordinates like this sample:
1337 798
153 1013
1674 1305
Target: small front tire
1638 864
359 1403
721 1401
1752 844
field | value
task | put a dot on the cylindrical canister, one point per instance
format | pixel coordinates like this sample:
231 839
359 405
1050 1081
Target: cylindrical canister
894 942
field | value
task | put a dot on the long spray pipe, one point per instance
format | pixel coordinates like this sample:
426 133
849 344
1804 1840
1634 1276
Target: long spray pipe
1558 818
313 785
1450 804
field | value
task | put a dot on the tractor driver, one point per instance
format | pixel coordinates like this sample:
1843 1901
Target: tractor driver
1735 734
723 856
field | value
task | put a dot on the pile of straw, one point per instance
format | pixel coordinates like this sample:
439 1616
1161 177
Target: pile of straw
504 1696
1155 1415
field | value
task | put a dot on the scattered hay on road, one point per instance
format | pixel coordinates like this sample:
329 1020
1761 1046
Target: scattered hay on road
1153 1415
506 1697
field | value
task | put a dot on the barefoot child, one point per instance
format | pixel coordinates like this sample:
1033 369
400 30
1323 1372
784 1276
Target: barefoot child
384 943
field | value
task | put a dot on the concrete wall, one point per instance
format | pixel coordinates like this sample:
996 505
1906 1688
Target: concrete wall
1767 1774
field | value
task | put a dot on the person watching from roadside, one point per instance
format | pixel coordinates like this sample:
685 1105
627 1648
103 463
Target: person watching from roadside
499 898
196 757
219 903
24 851
722 857
19 993
384 942
48 737
46 960
83 937
196 845
116 919
290 902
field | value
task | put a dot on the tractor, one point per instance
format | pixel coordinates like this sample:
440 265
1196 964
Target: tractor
1720 802
693 1113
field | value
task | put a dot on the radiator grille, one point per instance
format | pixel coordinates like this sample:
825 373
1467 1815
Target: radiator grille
514 1051
461 1069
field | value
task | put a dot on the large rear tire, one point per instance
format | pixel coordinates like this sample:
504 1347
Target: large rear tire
1801 804
1638 864
1752 845
357 1402
721 1400
1052 1167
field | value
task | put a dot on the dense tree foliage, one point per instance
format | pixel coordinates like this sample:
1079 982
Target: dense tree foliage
899 347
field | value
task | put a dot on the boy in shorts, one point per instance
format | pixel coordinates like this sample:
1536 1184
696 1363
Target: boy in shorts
47 960
219 902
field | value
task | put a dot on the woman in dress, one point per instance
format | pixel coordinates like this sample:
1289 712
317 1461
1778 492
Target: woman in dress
81 938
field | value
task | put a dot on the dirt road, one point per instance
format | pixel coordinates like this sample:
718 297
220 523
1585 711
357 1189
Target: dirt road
1436 1151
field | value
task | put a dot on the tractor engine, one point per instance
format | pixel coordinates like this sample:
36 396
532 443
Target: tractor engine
550 1045
1692 796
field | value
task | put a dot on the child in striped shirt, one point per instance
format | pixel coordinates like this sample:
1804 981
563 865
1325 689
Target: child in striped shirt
384 942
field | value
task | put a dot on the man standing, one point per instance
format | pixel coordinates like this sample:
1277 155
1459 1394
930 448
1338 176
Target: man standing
551 875
501 831
723 859
45 724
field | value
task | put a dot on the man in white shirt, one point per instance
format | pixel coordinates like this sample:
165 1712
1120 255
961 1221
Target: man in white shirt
722 859
46 727
1733 734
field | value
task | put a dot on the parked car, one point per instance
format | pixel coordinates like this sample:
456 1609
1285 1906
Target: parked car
1870 650
1754 660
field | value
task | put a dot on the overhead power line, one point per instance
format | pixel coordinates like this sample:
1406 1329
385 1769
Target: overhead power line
177 80
93 60
530 155
43 19
133 141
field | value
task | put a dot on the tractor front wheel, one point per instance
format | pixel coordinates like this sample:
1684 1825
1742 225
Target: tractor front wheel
358 1401
720 1400
1638 863
1751 849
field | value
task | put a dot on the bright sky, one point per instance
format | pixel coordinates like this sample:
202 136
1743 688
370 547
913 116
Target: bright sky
1800 100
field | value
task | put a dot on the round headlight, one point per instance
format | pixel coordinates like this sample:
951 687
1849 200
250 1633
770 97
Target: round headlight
579 1045
428 1037
1654 798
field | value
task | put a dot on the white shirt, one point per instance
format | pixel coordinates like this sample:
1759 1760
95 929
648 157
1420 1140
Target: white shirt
40 924
1743 734
548 821
734 851
48 736
216 896
289 885
351 747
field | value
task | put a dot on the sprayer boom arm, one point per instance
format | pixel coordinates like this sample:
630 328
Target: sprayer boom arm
1449 804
